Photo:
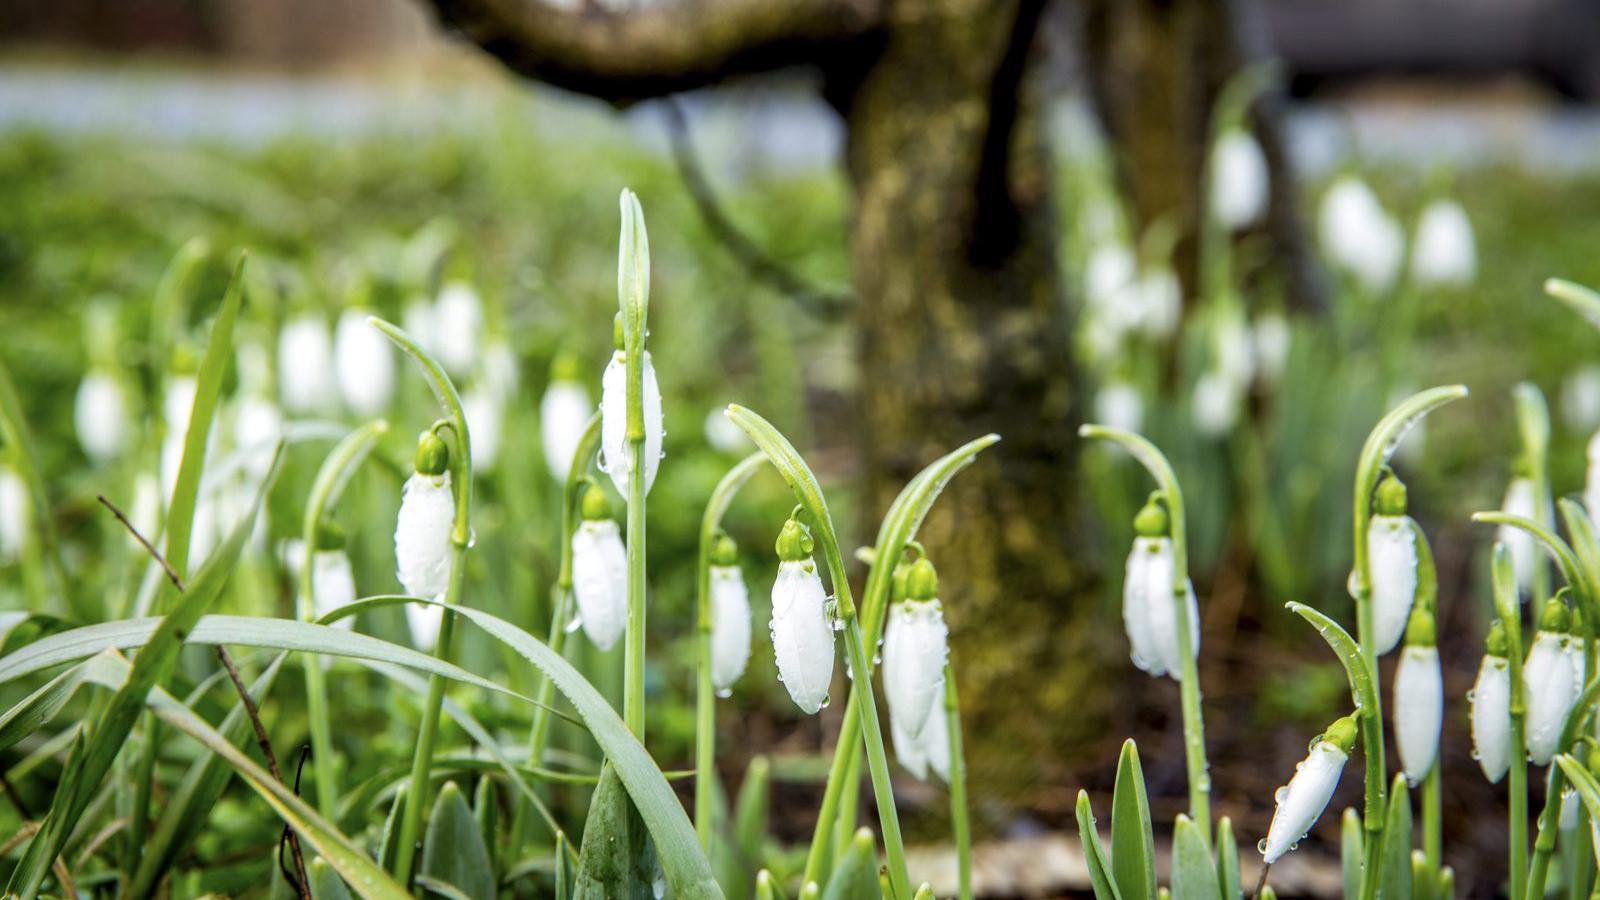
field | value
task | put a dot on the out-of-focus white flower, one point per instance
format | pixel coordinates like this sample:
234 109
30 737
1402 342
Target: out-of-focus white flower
485 414
563 413
16 509
915 647
333 585
724 436
501 374
802 633
1301 802
1445 252
1549 683
1418 700
177 403
1215 407
1491 712
1235 349
145 510
1111 269
1521 500
1119 405
422 534
1580 398
305 365
257 428
1160 303
1273 340
730 617
419 322
1239 180
458 323
1392 555
1591 486
614 457
100 416
600 572
1149 604
364 362
1359 235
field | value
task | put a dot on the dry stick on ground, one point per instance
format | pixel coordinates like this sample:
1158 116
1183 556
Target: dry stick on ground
303 887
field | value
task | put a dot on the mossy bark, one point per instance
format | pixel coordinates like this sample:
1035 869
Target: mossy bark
964 330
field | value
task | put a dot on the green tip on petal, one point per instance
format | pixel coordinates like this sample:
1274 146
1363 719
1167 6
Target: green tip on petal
1152 520
1342 734
1420 629
794 542
595 505
1391 496
724 552
433 454
922 581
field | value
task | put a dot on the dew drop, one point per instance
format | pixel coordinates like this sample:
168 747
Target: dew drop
724 693
1281 794
1261 846
574 624
826 699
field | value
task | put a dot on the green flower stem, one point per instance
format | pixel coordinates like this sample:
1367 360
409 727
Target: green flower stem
1533 427
960 821
633 671
705 726
1432 827
633 302
325 490
1194 730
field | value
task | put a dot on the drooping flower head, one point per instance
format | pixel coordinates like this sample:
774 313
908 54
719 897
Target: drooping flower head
802 630
1301 802
1418 698
1550 684
915 647
364 362
1522 499
1239 179
1392 552
1150 599
305 364
600 570
730 616
100 413
1491 707
458 323
1444 252
423 536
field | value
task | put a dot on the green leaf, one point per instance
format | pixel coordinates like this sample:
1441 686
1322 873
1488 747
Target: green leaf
208 390
1100 880
326 883
616 861
1558 549
1352 846
1228 861
1576 297
687 870
18 439
856 876
1133 846
151 668
1194 877
1363 682
453 851
750 810
1422 883
1395 879
486 809
37 709
391 831
766 887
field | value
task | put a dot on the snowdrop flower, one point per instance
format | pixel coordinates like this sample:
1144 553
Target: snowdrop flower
1445 252
1119 405
100 416
1549 683
458 321
1215 405
177 402
723 435
1272 339
364 363
145 510
1580 398
615 460
16 508
563 412
1392 554
1160 302
730 616
600 571
419 321
501 374
930 750
1418 698
1568 819
422 536
1591 485
1110 270
305 364
1301 802
257 428
333 583
1521 500
1239 180
915 647
1358 235
1491 708
1149 607
802 633
485 414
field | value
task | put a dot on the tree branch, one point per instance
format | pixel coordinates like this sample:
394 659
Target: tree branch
660 48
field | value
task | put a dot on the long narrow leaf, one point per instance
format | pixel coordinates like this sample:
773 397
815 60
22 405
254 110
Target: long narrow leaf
1133 845
1094 856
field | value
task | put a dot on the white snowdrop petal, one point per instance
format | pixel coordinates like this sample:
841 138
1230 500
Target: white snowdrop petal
730 626
100 416
936 738
1521 500
802 636
333 585
563 412
909 751
485 421
1111 268
1392 550
1550 690
1136 594
305 365
915 647
1239 180
1568 819
364 363
457 322
614 457
1591 488
1163 610
1445 252
1580 401
600 580
1302 801
422 543
424 621
1272 339
177 402
15 510
1215 406
1491 717
500 371
1418 710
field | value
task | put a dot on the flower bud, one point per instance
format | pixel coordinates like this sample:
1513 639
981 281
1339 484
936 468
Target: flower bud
915 647
1418 699
1149 606
802 635
305 364
364 363
1239 180
433 454
1392 552
422 536
1491 709
100 416
615 459
600 571
1445 252
1301 802
563 412
730 617
1549 684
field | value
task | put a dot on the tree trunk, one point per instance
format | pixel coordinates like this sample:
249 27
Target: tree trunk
963 331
